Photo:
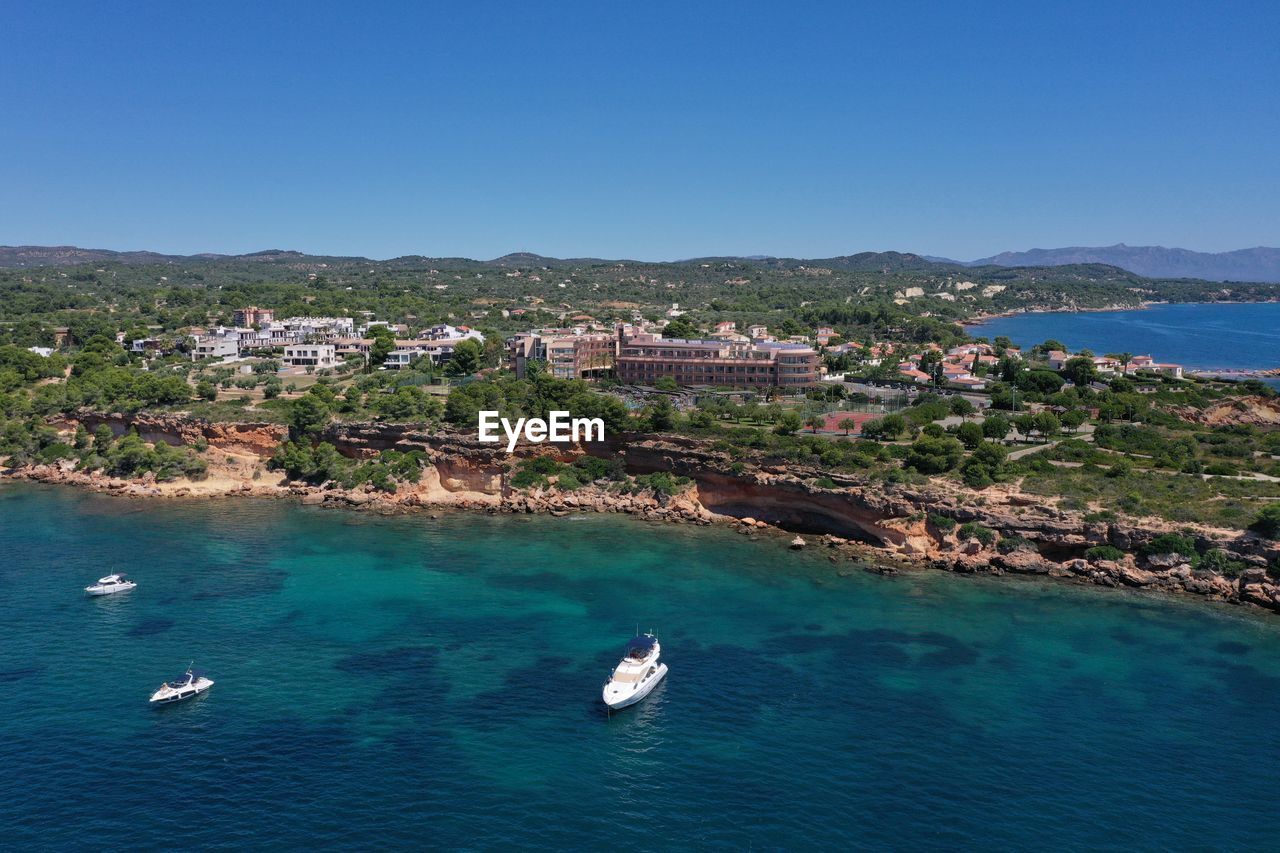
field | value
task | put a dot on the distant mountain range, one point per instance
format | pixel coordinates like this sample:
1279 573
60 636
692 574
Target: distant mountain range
1244 265
45 256
1258 264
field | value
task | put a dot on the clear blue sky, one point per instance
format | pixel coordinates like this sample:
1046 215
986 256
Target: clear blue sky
653 130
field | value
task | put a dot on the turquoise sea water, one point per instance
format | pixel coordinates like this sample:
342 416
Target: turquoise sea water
398 682
1202 336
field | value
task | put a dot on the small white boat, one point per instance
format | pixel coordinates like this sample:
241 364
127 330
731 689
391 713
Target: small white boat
636 674
190 683
110 584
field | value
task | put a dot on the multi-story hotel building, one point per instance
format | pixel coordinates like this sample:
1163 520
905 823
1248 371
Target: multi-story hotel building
569 353
254 316
645 358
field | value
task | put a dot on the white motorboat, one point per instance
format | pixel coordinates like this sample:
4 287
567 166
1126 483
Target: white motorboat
636 674
110 584
191 683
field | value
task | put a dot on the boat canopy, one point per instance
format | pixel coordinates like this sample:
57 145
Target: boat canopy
642 643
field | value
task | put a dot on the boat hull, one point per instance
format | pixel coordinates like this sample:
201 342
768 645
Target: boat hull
95 591
640 694
180 695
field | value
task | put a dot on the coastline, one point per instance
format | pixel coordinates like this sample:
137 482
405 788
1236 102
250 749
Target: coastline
983 317
885 530
977 326
979 319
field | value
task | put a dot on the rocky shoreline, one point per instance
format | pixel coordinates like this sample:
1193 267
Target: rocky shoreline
983 317
892 528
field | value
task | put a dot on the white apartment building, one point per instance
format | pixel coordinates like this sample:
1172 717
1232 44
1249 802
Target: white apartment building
318 356
215 346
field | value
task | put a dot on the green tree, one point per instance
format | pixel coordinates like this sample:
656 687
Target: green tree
997 427
1026 424
970 434
961 407
975 475
847 424
681 327
1046 423
408 404
888 428
1074 419
467 358
1080 370
1040 381
384 341
307 415
991 457
789 423
930 455
661 415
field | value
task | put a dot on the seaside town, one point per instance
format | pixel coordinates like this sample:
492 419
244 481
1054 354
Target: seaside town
889 399
639 359
672 426
891 434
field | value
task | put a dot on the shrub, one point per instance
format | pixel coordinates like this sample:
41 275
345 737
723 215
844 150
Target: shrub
1122 467
825 483
542 465
1218 561
381 479
567 481
1267 522
1016 542
976 475
973 530
1103 552
592 468
54 452
528 479
661 482
1131 503
1170 543
942 522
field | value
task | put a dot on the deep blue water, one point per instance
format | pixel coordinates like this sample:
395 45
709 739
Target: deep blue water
398 682
1202 336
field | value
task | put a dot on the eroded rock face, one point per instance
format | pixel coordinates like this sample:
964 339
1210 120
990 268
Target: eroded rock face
1023 562
1257 411
762 497
178 430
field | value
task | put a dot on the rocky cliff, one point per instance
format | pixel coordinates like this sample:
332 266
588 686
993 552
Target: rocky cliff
857 517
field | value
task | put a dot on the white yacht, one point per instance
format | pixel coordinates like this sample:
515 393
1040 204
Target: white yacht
636 674
190 683
110 584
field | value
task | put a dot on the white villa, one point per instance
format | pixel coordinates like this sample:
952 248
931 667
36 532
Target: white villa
319 356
